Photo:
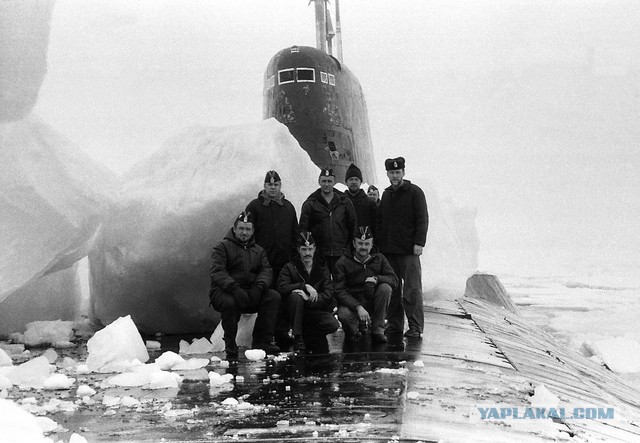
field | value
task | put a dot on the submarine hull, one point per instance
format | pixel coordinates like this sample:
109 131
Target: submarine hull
322 104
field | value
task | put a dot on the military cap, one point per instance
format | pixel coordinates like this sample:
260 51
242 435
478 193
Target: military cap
326 172
305 238
244 217
362 233
272 177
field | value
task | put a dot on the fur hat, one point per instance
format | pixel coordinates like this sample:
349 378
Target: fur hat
391 164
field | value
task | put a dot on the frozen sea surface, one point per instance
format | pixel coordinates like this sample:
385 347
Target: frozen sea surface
581 298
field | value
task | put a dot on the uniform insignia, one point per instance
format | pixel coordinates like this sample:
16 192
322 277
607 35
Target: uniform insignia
395 164
365 232
307 239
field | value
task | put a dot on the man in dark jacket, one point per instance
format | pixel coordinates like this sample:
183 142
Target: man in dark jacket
330 217
364 206
240 283
363 283
401 235
275 227
307 290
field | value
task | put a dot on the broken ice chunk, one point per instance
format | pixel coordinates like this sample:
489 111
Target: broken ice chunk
48 332
5 360
31 374
118 341
168 360
255 354
58 382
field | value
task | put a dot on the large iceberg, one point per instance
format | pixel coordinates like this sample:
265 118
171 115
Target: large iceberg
149 248
152 253
52 198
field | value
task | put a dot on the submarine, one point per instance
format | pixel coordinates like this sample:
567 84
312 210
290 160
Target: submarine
321 101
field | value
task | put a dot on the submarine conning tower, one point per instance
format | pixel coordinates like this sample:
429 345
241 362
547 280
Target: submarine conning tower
321 102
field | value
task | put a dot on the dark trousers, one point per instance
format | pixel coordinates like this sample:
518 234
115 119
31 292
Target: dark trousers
306 320
407 296
283 323
267 309
330 261
376 307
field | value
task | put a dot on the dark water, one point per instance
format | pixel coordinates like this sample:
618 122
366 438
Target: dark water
338 396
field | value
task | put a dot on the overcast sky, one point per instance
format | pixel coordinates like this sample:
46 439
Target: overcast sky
527 110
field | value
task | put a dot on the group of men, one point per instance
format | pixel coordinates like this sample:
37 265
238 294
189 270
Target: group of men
350 252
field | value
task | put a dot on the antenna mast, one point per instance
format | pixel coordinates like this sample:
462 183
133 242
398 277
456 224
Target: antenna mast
321 25
338 33
324 29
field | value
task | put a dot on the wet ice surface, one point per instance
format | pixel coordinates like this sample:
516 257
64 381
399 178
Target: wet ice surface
352 391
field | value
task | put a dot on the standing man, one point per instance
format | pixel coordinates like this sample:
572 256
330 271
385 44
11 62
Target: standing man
364 206
330 217
403 221
307 290
275 226
240 283
363 284
374 194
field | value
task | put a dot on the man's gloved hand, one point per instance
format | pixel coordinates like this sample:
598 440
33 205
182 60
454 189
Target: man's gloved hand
241 297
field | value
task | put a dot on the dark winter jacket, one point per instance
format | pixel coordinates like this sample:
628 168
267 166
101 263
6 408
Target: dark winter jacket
365 209
276 225
234 264
350 274
402 219
294 276
331 224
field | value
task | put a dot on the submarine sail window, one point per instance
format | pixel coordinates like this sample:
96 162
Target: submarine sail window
323 77
332 79
286 76
306 75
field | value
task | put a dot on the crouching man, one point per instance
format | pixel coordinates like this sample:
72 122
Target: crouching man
363 280
240 281
306 289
